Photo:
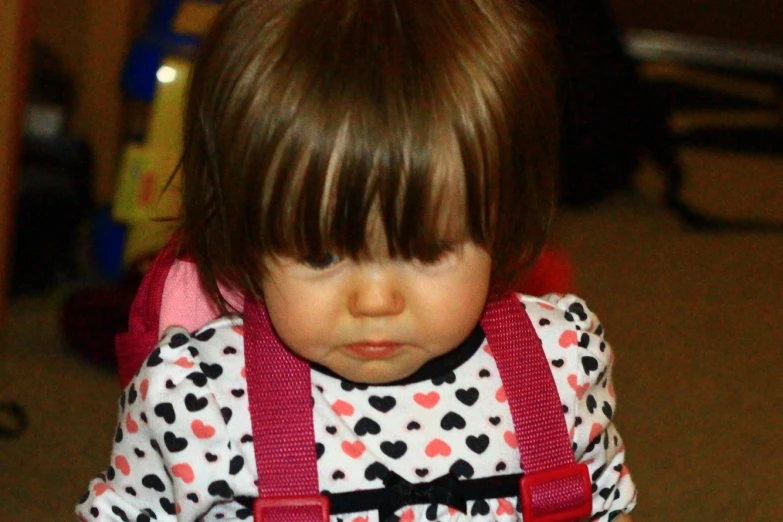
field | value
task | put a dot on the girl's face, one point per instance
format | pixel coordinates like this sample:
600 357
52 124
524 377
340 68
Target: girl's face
377 320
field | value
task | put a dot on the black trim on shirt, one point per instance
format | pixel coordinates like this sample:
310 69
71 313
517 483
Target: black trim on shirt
437 367
498 486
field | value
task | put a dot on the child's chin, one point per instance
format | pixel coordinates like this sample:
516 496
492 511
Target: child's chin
375 372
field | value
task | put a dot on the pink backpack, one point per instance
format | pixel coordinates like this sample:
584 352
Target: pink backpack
554 487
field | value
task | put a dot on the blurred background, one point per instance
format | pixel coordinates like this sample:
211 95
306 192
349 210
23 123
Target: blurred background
670 227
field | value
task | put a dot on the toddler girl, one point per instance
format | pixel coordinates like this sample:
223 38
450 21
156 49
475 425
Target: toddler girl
363 180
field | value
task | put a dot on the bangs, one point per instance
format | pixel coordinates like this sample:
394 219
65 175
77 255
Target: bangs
337 188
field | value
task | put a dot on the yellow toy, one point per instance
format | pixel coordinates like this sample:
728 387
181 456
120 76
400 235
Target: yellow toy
146 198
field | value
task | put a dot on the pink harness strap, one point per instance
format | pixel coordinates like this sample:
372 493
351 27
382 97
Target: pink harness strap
554 488
281 413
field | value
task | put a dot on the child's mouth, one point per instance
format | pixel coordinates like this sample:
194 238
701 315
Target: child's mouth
375 350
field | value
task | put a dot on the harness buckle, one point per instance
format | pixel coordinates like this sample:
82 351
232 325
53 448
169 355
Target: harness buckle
310 506
540 499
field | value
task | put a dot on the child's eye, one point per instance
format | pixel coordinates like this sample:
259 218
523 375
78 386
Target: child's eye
321 261
438 253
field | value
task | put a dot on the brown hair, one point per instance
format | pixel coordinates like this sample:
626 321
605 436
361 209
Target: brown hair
306 119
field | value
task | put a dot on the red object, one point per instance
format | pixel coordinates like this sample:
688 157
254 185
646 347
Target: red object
286 509
543 439
542 502
283 436
553 272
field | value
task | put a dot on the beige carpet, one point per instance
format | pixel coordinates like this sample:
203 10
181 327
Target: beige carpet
694 319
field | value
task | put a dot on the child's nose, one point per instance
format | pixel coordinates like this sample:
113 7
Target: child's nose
377 291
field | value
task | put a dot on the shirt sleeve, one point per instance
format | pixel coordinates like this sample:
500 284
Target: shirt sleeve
174 457
589 401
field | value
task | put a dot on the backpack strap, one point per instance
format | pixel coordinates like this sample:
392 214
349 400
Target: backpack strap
554 487
281 413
